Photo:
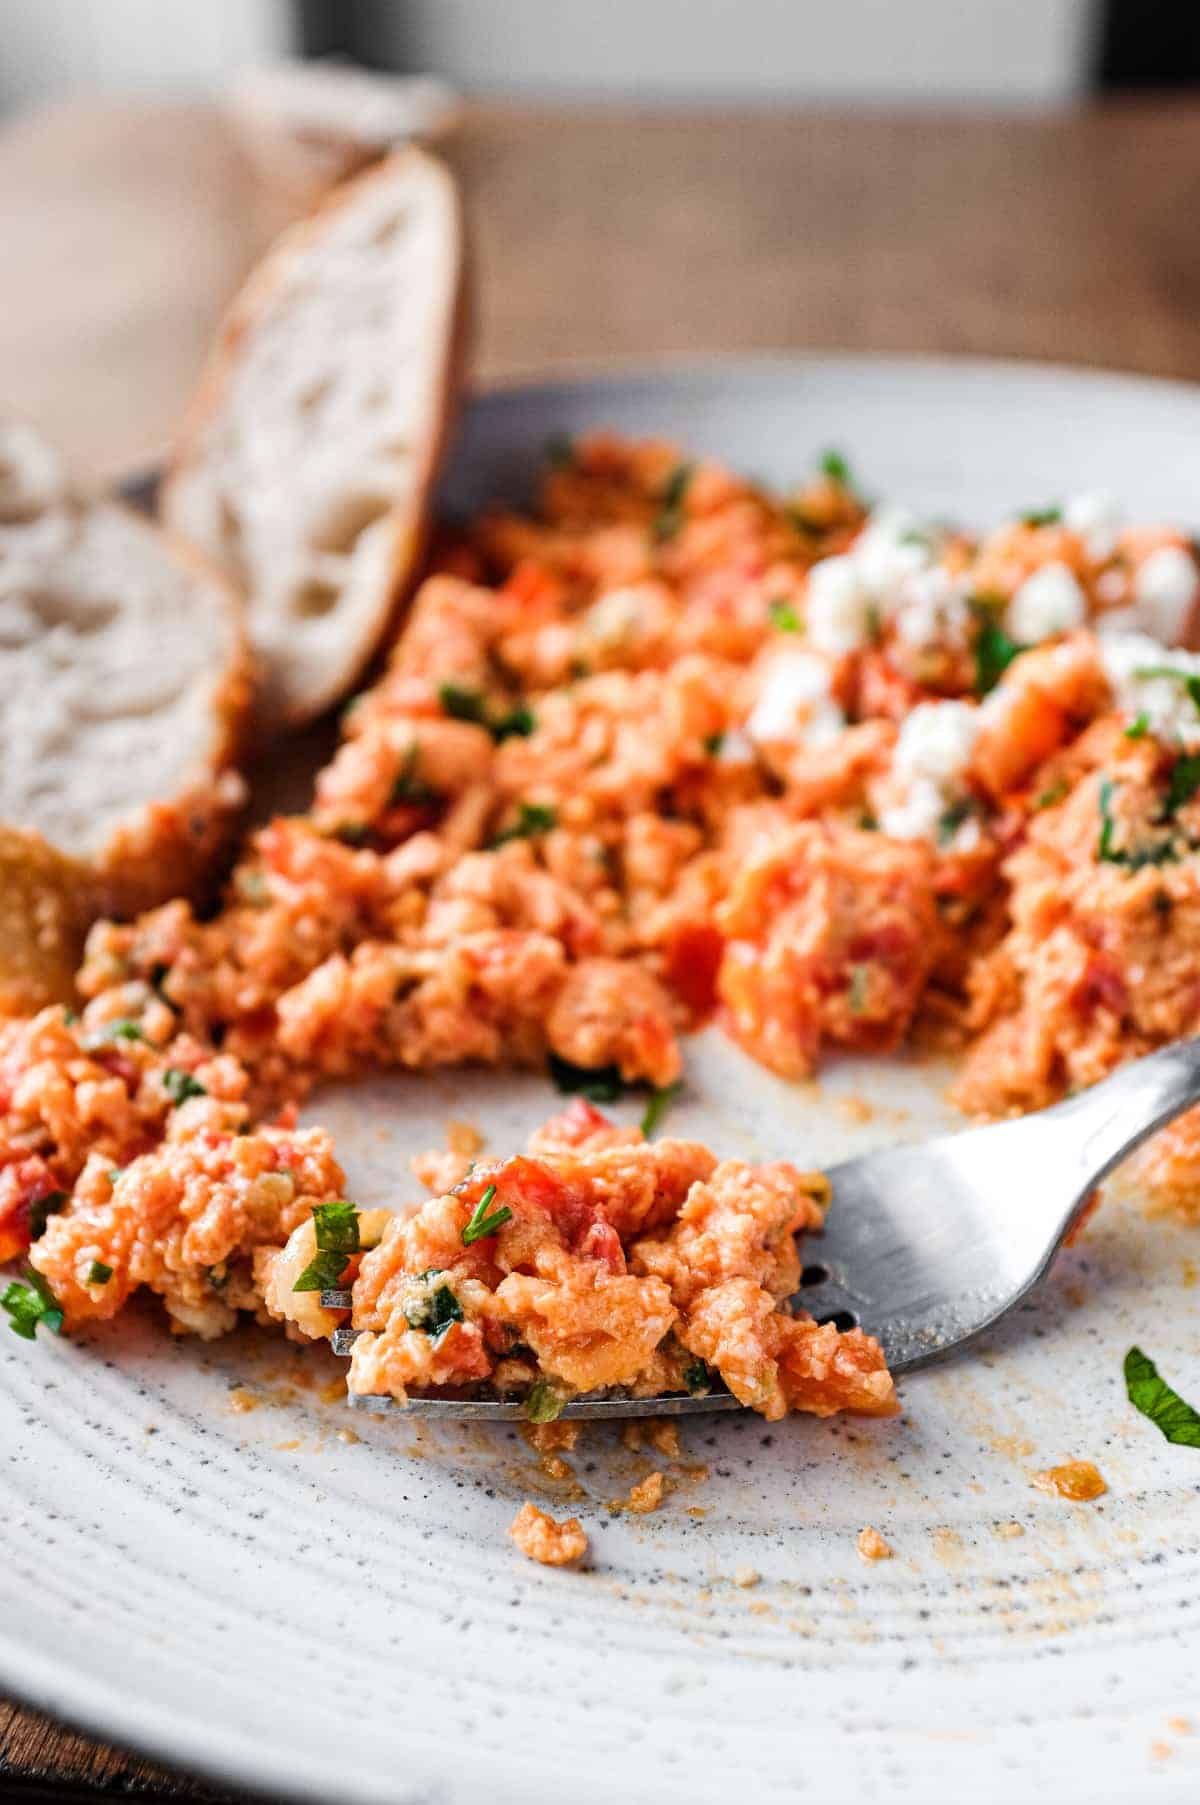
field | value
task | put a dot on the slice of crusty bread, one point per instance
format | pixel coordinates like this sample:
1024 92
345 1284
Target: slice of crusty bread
124 698
306 461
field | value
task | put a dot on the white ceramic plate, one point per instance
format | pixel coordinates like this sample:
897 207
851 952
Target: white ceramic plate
246 1593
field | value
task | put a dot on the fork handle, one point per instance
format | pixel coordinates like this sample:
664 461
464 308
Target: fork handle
1115 1116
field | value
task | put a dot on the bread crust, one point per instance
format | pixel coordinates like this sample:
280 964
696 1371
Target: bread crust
409 520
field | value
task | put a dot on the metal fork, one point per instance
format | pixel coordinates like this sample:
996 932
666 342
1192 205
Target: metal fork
928 1246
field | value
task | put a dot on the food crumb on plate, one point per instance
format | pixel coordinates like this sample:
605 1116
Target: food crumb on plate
1008 1532
1078 1480
745 1577
643 1497
855 1108
872 1546
661 1434
464 1138
542 1538
241 1400
551 1438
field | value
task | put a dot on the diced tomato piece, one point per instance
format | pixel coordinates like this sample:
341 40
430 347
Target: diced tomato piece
693 959
23 1185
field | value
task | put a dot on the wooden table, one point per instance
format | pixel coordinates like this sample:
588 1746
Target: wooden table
601 234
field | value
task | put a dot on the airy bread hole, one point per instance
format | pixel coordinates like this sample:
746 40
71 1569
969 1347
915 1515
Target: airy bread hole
83 615
314 598
346 521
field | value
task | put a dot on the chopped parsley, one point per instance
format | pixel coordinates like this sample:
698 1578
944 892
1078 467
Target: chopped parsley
543 1402
481 1224
697 1376
352 833
28 1305
713 743
1183 781
833 465
994 652
434 1312
1054 793
782 615
857 994
408 787
336 1226
469 705
179 1086
669 518
1139 728
114 1172
599 1084
99 1274
122 1029
41 1207
1042 517
952 818
1157 1400
218 1276
533 818
660 1102
559 451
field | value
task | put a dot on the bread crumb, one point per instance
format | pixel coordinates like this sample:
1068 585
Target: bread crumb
1008 1531
871 1545
242 1400
746 1577
541 1538
1078 1480
855 1109
348 1435
1182 1726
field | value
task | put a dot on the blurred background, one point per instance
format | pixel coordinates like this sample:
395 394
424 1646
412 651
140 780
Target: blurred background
642 178
913 51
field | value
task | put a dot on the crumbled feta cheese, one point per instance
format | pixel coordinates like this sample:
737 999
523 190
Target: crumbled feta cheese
839 615
932 609
1048 602
1163 591
614 616
929 764
1150 679
919 813
736 748
1098 520
794 702
892 546
936 741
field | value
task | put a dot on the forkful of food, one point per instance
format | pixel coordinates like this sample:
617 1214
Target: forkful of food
607 1276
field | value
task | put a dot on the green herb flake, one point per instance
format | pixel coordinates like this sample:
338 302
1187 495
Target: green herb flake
41 1208
697 1376
599 1084
856 996
713 743
669 518
336 1229
1190 681
660 1102
122 1029
409 788
1183 782
1139 728
994 652
99 1273
481 1224
533 818
27 1305
835 466
559 451
352 833
114 1172
952 819
1042 517
1053 794
469 705
544 1402
783 616
179 1086
433 1313
518 723
1159 1401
